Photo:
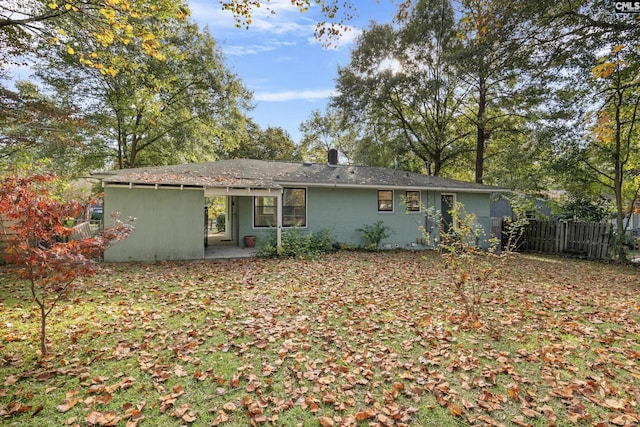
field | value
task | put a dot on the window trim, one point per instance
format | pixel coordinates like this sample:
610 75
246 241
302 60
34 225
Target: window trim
275 206
392 201
406 198
254 212
306 207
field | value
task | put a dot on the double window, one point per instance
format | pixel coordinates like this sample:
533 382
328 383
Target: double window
294 209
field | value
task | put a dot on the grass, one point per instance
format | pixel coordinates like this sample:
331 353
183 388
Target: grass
348 339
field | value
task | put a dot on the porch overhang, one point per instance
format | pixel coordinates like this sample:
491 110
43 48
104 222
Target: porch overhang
275 191
242 191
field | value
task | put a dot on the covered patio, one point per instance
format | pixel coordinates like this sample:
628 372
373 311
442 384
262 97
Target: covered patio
221 248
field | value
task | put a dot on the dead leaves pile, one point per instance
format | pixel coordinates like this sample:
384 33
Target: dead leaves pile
351 339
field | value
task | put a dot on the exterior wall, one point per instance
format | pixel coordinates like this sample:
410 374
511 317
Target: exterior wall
343 210
480 204
244 224
169 223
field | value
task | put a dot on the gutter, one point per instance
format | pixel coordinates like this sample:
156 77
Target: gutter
396 187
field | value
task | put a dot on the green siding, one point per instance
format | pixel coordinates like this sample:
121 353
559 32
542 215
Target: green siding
343 210
169 223
480 204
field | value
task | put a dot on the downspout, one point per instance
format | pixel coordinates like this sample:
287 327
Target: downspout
279 219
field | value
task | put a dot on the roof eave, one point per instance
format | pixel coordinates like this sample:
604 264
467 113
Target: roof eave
394 187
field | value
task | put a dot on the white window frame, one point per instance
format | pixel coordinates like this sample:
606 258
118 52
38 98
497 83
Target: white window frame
253 212
419 210
306 207
279 211
393 205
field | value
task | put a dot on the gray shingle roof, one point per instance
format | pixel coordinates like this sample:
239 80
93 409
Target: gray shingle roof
244 173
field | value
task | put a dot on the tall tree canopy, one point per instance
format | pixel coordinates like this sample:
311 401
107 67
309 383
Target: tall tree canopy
154 111
502 85
106 22
402 83
273 143
598 148
321 132
445 82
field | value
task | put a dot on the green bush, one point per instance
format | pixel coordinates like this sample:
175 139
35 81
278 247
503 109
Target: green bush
221 222
296 244
374 233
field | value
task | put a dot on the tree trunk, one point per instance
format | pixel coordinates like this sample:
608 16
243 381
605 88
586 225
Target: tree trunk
481 132
618 176
43 330
437 163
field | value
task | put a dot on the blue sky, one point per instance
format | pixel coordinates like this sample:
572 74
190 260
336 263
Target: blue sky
289 72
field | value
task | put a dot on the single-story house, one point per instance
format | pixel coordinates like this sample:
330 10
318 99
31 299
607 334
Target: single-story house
262 196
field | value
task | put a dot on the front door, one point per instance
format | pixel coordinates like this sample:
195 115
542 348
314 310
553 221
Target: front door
447 202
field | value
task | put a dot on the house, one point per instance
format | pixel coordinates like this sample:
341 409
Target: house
262 196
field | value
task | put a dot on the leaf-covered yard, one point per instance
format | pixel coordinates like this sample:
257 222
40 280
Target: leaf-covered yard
348 339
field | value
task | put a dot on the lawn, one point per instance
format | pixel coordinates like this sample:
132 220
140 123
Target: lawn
352 338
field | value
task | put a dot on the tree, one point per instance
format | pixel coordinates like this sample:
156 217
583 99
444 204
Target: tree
39 241
274 143
598 149
612 155
320 133
106 22
156 111
38 129
494 63
402 83
336 12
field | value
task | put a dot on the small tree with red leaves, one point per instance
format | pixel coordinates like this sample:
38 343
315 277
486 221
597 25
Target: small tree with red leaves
37 241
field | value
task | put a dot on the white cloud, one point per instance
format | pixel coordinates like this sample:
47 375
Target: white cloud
293 95
275 20
275 17
253 48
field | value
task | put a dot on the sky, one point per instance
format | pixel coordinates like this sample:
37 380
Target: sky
277 58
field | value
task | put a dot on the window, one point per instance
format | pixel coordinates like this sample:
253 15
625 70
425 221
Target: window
265 212
294 207
385 201
412 199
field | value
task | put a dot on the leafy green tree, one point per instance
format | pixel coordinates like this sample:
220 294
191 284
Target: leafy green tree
39 129
320 133
155 111
273 143
105 22
503 86
402 82
612 154
597 146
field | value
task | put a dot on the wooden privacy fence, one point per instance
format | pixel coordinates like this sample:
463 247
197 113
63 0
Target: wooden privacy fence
5 232
590 239
79 232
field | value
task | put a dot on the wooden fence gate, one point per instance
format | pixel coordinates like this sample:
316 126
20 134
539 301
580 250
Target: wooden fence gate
590 239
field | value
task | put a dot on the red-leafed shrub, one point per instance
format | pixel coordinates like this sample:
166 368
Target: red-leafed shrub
37 240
